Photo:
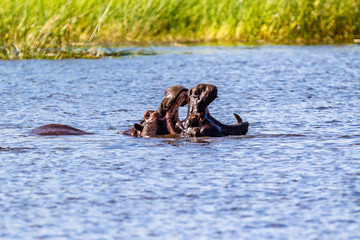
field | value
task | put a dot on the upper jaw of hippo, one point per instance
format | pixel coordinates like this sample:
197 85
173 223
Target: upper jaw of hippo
171 116
171 97
174 97
196 122
200 97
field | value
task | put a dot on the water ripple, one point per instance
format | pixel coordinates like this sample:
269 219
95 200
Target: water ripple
295 176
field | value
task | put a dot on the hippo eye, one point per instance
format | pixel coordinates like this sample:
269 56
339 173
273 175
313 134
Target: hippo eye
148 114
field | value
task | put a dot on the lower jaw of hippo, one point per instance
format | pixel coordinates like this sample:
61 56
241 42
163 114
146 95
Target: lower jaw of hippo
239 128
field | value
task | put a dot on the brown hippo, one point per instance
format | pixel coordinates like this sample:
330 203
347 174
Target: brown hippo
163 120
57 129
199 122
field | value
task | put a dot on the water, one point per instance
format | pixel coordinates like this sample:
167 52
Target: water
296 175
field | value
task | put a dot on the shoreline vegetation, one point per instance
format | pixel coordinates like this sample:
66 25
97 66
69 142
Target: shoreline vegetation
83 28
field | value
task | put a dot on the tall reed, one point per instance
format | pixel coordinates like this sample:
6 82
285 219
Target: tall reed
61 28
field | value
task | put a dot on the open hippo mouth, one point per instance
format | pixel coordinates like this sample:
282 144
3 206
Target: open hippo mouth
199 122
174 98
163 120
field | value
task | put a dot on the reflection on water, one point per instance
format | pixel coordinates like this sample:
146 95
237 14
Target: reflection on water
296 175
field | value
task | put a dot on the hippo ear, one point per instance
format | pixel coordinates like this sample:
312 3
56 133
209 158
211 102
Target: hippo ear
138 127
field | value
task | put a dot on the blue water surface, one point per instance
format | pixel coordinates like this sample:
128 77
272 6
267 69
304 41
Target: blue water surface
296 175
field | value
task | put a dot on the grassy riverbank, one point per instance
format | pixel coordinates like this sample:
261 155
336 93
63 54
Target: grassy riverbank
73 28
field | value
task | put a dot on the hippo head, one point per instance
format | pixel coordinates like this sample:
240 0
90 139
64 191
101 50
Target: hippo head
137 129
149 126
163 120
200 96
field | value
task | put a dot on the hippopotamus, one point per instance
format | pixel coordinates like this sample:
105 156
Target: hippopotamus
163 120
199 122
57 129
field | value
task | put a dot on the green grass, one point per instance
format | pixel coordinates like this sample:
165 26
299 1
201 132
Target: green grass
75 28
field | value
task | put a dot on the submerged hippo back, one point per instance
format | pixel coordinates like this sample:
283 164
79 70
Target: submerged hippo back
57 129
